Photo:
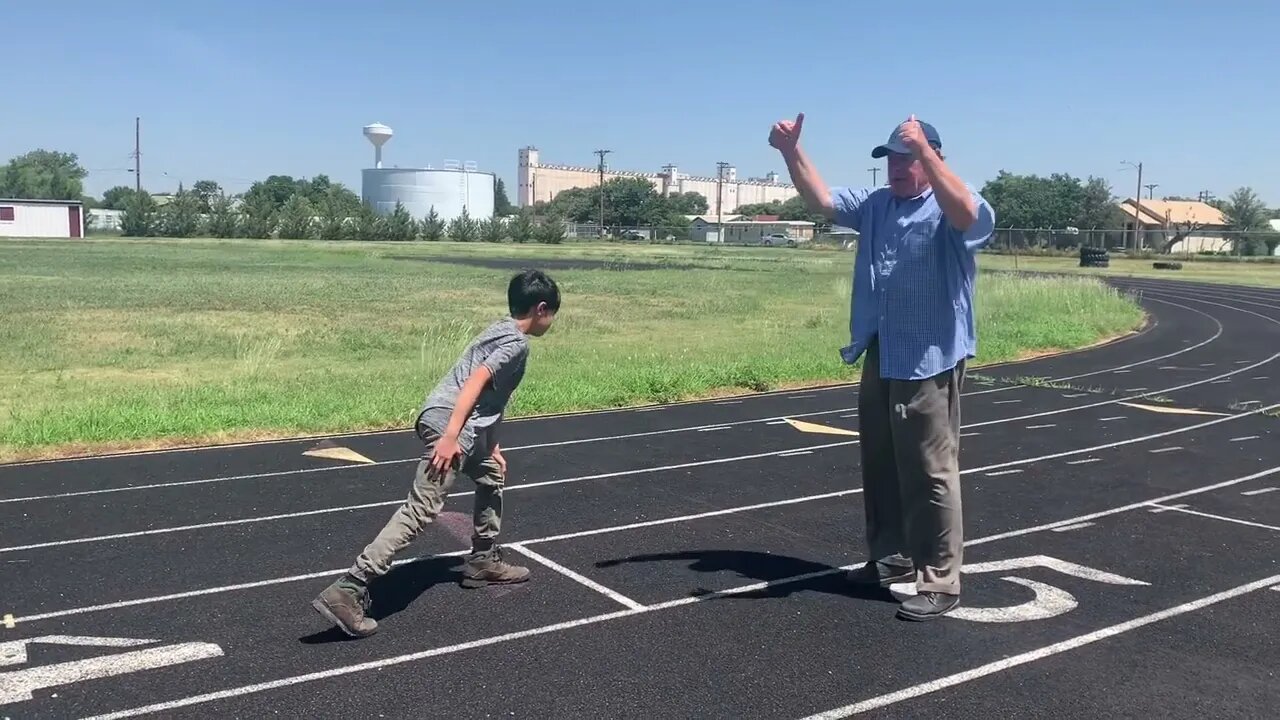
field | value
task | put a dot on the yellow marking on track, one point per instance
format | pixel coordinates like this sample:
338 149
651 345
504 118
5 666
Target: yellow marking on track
331 451
1172 410
809 427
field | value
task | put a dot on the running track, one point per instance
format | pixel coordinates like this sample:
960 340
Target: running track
1120 561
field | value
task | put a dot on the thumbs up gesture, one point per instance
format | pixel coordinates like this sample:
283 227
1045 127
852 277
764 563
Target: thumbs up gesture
913 135
785 134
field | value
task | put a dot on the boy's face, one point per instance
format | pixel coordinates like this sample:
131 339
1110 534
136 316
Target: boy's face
540 320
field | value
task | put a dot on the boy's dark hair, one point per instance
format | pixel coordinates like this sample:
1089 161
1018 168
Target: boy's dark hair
529 288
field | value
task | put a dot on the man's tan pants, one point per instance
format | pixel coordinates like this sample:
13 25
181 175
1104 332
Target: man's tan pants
910 446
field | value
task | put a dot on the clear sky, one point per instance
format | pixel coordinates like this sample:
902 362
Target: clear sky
236 90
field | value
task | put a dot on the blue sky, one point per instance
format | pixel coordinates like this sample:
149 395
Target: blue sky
233 91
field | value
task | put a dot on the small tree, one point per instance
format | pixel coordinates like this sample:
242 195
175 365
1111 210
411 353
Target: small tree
462 228
333 218
223 221
369 226
181 217
521 228
432 226
297 218
492 230
259 219
551 232
400 226
139 216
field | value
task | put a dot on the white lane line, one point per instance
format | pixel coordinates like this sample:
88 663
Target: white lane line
576 577
1015 471
1074 395
1077 526
1243 362
1004 402
1242 439
1158 508
1262 377
776 422
404 561
715 429
624 473
992 668
729 402
1224 518
1109 419
1220 382
1259 492
1041 427
800 397
797 453
853 416
388 503
1165 449
1168 367
1206 364
650 409
681 602
1121 372
651 523
1084 461
969 434
1125 508
1140 389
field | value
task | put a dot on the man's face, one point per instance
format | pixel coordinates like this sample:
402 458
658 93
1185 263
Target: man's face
906 175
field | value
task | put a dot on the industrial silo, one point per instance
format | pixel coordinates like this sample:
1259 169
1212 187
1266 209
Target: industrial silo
448 189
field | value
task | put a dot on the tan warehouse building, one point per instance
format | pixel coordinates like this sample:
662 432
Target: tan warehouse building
539 182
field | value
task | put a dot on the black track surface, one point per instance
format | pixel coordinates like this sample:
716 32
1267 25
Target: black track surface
710 537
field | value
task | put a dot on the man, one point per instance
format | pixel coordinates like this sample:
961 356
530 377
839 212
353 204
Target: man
912 316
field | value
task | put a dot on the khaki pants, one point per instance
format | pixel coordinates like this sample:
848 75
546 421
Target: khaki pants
425 501
910 446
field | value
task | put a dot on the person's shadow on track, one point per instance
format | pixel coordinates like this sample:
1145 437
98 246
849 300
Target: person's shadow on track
396 590
762 567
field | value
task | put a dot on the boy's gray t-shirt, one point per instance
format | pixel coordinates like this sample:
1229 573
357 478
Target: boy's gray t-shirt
504 349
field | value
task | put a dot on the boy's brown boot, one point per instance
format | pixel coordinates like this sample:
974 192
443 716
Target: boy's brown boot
344 603
488 568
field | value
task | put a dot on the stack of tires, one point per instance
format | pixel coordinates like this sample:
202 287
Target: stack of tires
1094 257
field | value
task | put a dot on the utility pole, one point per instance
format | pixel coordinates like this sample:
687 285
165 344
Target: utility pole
720 168
137 153
873 172
1137 211
602 153
1151 187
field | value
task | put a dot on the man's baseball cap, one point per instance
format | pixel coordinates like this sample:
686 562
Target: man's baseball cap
896 145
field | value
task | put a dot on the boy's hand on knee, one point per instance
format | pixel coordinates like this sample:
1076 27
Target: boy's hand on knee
446 454
501 461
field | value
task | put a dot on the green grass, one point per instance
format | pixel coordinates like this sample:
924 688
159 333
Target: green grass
115 343
1262 274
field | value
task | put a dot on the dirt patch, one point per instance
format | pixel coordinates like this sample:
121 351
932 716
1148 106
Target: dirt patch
549 264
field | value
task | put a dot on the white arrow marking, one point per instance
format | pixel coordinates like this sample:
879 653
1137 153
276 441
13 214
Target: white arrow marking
1062 566
18 685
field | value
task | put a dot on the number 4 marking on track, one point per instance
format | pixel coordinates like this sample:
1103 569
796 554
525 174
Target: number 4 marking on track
18 685
1049 601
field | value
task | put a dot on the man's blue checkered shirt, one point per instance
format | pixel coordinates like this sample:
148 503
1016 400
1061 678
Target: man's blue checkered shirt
913 278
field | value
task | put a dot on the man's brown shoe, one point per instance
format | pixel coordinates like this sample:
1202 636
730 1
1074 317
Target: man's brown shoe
490 569
344 603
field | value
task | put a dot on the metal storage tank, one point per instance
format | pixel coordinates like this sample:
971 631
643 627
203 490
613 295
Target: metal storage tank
420 189
448 190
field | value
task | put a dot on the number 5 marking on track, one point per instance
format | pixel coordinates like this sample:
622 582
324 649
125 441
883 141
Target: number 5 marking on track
1049 601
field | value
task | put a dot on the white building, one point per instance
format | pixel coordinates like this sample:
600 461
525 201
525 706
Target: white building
41 218
741 230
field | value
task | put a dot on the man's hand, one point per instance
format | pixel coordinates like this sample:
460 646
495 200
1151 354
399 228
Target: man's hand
785 134
913 136
502 462
446 454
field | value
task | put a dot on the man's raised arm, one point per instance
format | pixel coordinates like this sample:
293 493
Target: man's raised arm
785 136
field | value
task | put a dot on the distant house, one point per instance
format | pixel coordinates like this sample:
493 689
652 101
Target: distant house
1183 226
1275 227
743 230
41 218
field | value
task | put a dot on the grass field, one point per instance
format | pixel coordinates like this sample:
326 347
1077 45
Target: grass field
115 343
1262 274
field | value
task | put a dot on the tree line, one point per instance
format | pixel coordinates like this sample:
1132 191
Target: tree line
290 207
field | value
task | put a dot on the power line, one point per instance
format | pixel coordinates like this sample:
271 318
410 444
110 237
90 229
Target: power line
720 168
1151 187
137 153
873 172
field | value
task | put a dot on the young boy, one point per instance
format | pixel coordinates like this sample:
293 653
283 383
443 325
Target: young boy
458 423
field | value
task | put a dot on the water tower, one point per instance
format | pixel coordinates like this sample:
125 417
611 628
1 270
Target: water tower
378 134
